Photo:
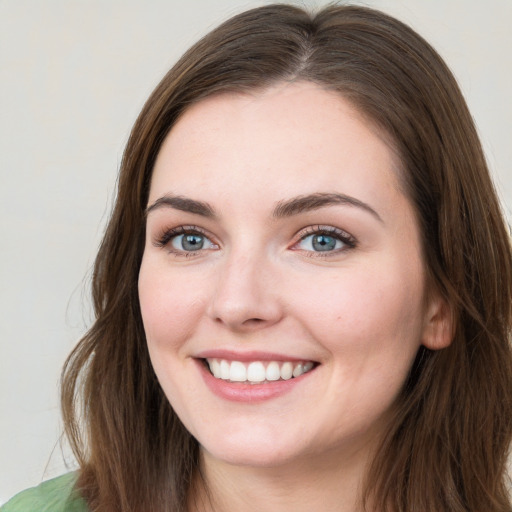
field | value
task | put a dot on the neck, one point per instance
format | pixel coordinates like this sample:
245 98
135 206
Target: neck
313 484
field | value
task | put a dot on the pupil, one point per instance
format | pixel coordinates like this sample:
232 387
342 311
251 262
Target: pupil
324 243
192 242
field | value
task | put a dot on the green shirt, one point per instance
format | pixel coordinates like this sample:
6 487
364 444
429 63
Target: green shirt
57 495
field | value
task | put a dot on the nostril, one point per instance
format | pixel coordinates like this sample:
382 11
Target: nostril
253 321
249 321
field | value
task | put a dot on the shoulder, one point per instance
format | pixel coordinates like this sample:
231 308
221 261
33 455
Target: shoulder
56 495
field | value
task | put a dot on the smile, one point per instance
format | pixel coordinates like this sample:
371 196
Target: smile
257 372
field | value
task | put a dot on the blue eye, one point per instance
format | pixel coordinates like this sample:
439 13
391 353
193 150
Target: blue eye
320 242
188 242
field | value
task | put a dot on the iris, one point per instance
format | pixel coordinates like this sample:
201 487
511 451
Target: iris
191 242
324 242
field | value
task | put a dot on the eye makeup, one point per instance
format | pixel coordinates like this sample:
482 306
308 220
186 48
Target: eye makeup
314 241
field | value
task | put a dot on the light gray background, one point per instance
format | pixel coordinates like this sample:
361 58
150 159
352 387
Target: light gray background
74 75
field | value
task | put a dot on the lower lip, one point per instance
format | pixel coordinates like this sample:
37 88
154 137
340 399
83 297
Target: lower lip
241 392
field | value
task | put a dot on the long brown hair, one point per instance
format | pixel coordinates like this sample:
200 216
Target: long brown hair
447 446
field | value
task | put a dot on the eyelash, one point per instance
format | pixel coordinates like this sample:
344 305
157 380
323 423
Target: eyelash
165 238
349 242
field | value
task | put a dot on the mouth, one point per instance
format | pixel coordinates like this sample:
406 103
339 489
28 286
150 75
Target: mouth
256 372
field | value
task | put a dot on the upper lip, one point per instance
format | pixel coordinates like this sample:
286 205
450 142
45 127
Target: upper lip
247 356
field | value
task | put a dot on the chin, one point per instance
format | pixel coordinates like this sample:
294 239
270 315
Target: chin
255 449
251 457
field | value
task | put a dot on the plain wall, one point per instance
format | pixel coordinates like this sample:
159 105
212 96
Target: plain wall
74 75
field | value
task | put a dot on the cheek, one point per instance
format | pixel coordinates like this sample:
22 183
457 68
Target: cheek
371 323
374 308
170 305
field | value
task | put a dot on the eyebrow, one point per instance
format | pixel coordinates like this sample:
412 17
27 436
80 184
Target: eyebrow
184 204
283 209
302 204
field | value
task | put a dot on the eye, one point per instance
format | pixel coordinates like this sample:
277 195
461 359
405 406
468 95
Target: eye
325 239
191 242
185 240
320 242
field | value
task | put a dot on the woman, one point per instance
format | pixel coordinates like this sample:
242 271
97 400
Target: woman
303 294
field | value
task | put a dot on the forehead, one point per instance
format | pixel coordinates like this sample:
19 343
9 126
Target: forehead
296 136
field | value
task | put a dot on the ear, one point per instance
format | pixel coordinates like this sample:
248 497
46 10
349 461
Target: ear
438 330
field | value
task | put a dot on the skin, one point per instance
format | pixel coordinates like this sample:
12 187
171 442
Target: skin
359 311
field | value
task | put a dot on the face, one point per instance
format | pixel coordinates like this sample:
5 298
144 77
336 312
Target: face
282 287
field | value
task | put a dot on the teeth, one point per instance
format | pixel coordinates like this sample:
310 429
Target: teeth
298 370
286 371
273 371
224 370
257 371
215 368
237 372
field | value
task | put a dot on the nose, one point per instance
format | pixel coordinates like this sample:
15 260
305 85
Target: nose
246 296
